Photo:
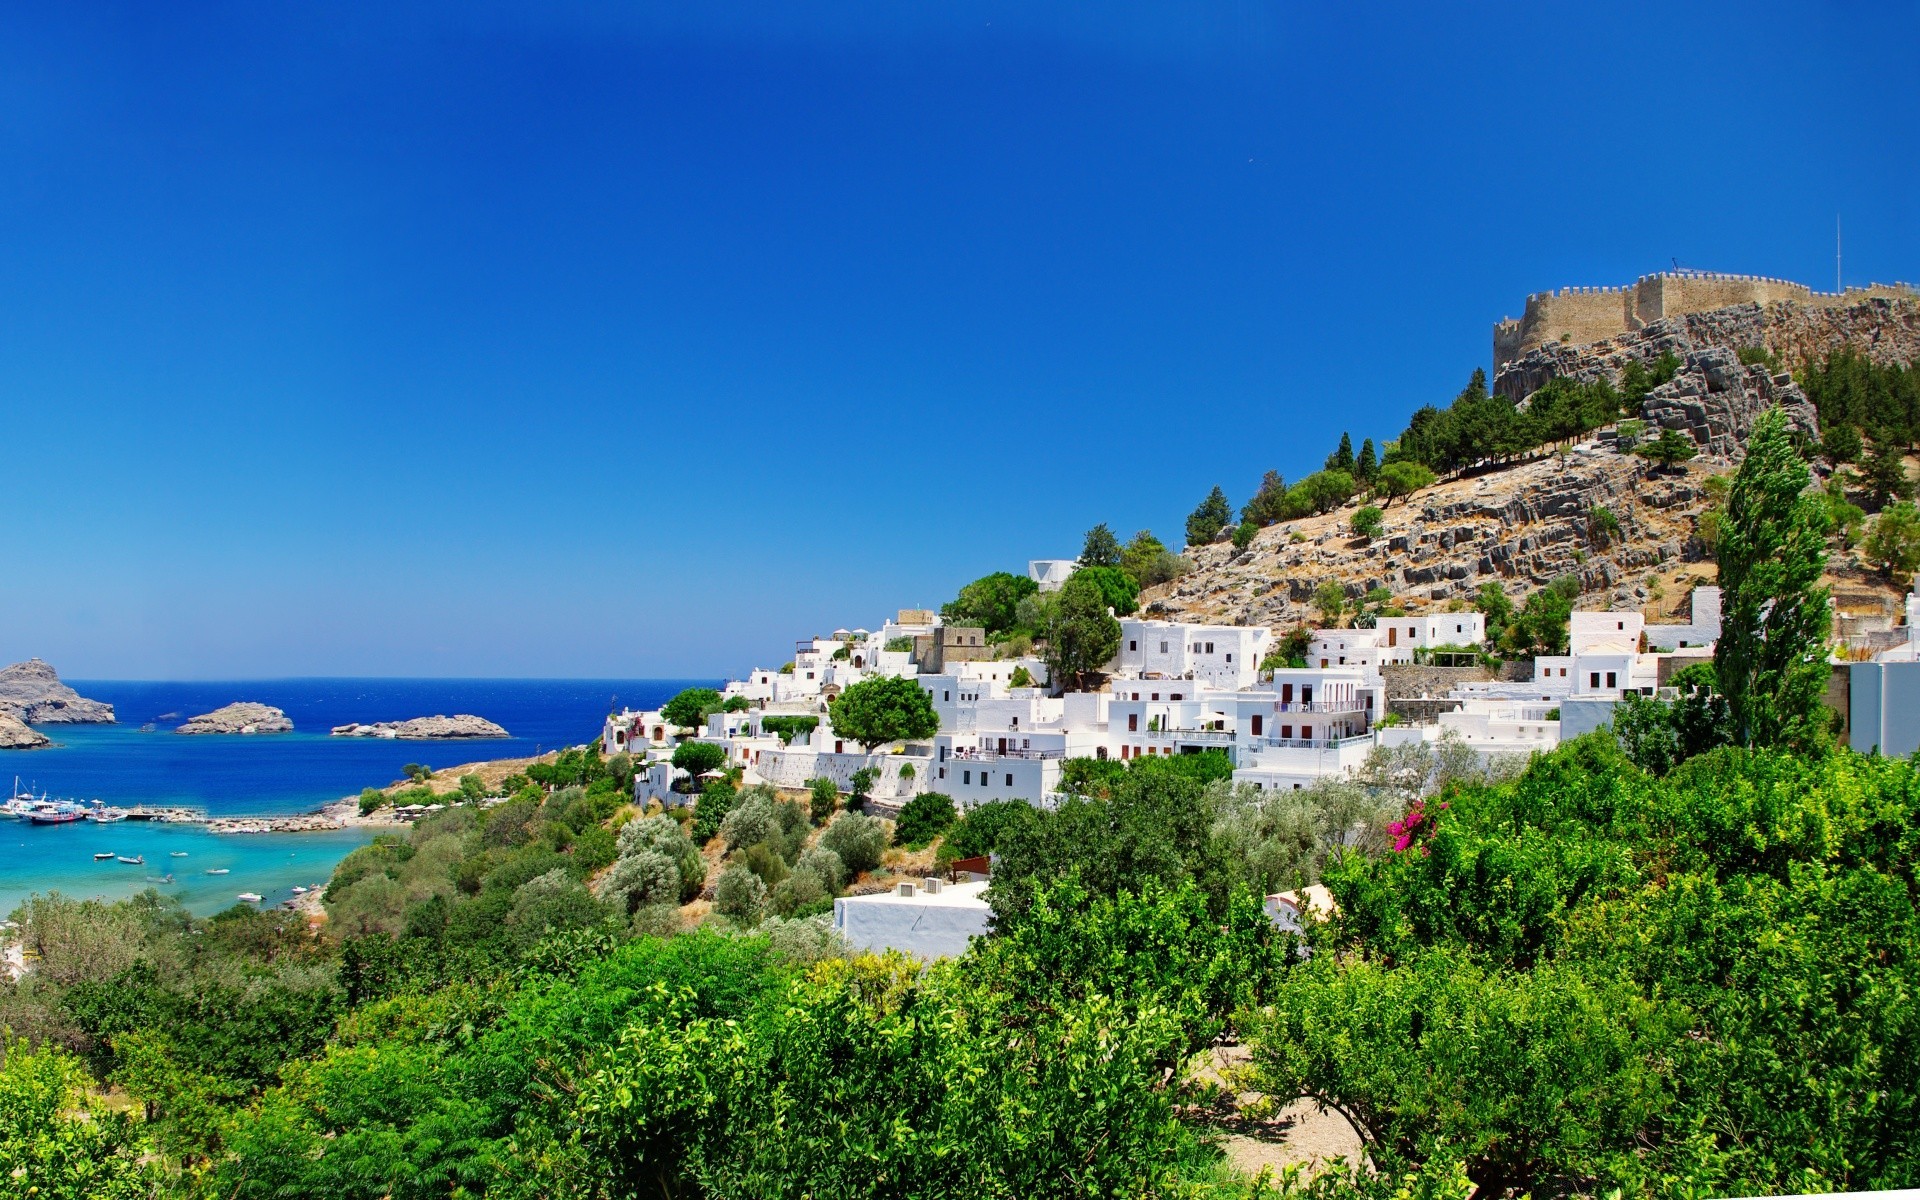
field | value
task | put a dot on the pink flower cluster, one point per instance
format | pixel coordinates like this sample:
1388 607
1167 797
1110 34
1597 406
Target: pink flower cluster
1417 825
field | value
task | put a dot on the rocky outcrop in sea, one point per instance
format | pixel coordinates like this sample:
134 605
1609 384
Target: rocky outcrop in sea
463 725
15 734
32 693
240 717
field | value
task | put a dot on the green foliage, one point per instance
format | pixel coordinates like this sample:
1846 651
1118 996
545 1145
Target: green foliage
739 895
899 645
823 796
1120 590
1367 522
922 819
1367 465
1342 457
1637 378
1101 548
1267 503
1479 427
1602 526
884 709
709 810
690 708
1885 473
697 758
1893 543
1330 601
1149 562
1669 449
1082 636
1243 534
991 602
857 839
734 704
1542 624
1021 678
1850 391
788 728
1770 660
978 832
1207 520
370 800
54 1140
1399 479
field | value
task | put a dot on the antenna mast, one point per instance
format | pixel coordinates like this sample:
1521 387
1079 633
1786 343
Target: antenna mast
1837 285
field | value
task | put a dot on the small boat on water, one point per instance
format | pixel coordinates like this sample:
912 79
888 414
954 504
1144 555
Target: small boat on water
106 816
149 727
138 860
161 879
104 856
216 870
176 854
298 890
250 897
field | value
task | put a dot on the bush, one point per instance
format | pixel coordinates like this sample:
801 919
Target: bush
825 866
663 835
709 811
1243 535
697 758
858 839
924 818
1368 523
823 797
751 822
739 895
370 800
799 893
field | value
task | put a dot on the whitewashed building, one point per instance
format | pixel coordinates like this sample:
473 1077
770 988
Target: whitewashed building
1221 656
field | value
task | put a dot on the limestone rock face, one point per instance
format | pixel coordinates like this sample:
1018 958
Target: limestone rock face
240 717
463 725
16 735
31 691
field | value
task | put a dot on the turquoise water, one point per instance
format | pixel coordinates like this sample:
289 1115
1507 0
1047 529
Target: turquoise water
264 775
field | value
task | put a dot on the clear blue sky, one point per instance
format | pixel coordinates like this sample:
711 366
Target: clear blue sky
555 340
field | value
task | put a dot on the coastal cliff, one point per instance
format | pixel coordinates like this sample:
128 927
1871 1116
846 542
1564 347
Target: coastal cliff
240 717
16 735
462 725
31 692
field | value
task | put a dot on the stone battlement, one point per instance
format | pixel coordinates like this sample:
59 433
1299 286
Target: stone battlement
1581 315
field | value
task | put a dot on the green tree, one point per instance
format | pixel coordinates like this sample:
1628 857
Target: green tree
1121 590
1342 458
923 818
1265 506
689 708
1399 479
1893 544
1243 534
1770 660
1367 465
1206 521
1491 602
823 796
1885 473
991 602
1081 635
1602 526
697 758
1841 444
1101 548
1368 522
884 709
1670 448
1149 561
1330 601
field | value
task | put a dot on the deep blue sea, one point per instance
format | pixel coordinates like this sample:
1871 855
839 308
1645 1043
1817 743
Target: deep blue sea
262 775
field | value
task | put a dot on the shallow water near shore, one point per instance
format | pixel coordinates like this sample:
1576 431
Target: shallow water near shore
260 775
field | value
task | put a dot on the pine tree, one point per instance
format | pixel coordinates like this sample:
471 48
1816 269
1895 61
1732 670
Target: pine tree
1771 660
1101 548
1886 472
1213 515
1342 459
1366 466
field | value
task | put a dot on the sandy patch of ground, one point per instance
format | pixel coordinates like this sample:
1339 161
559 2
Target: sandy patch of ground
1299 1132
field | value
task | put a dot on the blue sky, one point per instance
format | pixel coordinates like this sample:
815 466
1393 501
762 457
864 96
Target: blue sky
568 340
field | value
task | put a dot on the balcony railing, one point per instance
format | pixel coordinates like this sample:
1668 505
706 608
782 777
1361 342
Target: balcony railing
979 754
1317 743
1319 706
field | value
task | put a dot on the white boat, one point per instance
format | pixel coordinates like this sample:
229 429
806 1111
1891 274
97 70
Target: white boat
298 890
250 897
138 860
216 870
104 856
176 854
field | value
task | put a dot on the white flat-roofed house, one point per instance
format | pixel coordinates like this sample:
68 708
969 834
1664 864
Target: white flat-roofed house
1495 727
1319 723
1702 627
928 920
1051 573
1401 636
1606 632
632 732
1009 745
1221 656
1346 648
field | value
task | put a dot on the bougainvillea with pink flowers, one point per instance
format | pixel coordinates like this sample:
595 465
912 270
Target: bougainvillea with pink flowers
1417 826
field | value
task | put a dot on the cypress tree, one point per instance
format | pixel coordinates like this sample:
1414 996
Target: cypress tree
1342 459
1771 660
1366 466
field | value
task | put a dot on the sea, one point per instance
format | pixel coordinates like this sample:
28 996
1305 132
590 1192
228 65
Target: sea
261 775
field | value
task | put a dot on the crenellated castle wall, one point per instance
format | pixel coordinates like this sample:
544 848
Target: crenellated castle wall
1581 315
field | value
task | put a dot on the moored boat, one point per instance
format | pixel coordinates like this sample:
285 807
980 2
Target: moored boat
216 870
102 857
250 897
138 860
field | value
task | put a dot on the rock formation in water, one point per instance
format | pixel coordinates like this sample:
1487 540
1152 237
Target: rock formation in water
464 725
240 717
31 692
15 735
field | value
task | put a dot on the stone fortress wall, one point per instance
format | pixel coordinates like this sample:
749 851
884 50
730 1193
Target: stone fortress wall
1582 315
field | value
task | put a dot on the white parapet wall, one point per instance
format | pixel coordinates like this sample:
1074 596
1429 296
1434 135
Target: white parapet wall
911 919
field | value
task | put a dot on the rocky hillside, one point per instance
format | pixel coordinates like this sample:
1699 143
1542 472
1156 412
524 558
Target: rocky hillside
31 691
1526 524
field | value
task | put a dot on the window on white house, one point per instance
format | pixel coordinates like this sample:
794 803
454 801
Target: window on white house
1163 647
966 777
1209 647
1009 780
